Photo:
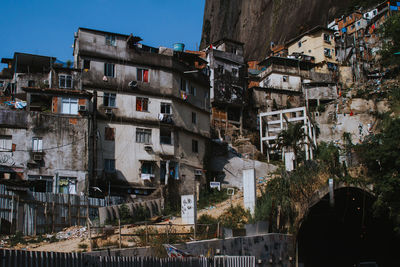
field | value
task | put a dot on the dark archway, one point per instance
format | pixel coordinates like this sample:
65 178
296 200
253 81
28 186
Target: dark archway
347 233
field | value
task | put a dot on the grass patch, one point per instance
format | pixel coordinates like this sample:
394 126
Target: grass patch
211 197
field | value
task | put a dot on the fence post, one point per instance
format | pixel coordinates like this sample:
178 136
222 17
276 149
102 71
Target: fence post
147 235
194 231
119 233
53 215
218 232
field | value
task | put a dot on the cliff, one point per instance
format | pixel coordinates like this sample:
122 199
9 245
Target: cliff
258 22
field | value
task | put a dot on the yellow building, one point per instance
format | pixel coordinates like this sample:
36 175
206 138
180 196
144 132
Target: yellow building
319 43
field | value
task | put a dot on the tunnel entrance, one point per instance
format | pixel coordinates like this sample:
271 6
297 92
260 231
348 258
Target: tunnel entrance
347 233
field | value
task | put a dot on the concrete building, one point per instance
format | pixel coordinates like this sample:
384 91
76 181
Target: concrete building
152 113
319 43
228 83
45 145
280 83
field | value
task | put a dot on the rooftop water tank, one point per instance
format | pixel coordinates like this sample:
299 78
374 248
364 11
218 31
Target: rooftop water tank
179 47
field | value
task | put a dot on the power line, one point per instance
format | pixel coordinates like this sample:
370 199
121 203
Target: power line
50 148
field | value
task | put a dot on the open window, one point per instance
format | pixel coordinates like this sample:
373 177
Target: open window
109 134
109 100
165 136
40 183
142 104
147 170
110 40
143 75
109 165
67 185
5 143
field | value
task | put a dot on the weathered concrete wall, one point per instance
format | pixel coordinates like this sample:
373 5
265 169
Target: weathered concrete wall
276 80
275 247
65 147
271 249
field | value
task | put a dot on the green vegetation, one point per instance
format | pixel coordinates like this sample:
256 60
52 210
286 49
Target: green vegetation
211 197
206 227
292 138
235 217
381 155
391 34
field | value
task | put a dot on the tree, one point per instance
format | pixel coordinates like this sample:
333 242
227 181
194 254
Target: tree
381 155
292 138
390 33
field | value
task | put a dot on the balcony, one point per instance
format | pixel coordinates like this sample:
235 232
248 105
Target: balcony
13 118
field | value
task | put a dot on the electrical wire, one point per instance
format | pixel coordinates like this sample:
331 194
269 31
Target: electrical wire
50 148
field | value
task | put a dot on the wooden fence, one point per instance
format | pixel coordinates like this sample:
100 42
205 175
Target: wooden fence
36 212
23 258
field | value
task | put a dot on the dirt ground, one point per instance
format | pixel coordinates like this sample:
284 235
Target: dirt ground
80 242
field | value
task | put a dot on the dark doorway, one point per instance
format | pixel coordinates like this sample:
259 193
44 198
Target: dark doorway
347 233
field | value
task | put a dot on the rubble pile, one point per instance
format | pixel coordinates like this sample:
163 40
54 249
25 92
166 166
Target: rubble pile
72 232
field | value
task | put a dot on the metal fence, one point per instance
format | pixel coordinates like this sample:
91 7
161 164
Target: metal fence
36 212
22 258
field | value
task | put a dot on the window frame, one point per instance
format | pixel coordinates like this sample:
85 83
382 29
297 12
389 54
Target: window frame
165 106
63 81
194 118
143 103
107 69
110 40
38 147
109 166
143 136
70 101
4 141
164 137
140 75
195 146
108 98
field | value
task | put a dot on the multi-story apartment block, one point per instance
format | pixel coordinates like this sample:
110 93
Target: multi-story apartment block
319 43
44 141
152 112
228 82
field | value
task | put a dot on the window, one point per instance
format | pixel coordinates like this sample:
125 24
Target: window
109 165
194 117
143 136
235 72
86 64
299 44
110 40
142 104
109 100
41 183
109 70
374 12
358 23
352 27
67 185
37 144
193 91
5 143
1 83
285 78
327 52
109 134
327 38
165 136
65 81
147 170
184 85
195 146
69 106
31 83
165 108
143 75
220 69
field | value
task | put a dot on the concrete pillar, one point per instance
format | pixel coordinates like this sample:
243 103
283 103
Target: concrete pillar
188 209
249 189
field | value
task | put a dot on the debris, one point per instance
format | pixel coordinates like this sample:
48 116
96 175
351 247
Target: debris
72 232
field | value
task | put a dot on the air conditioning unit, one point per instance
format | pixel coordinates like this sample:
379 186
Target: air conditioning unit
198 172
82 108
37 157
133 84
109 111
148 148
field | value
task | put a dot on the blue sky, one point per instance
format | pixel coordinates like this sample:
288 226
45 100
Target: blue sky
46 27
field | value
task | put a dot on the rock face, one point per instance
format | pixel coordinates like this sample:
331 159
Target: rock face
257 23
